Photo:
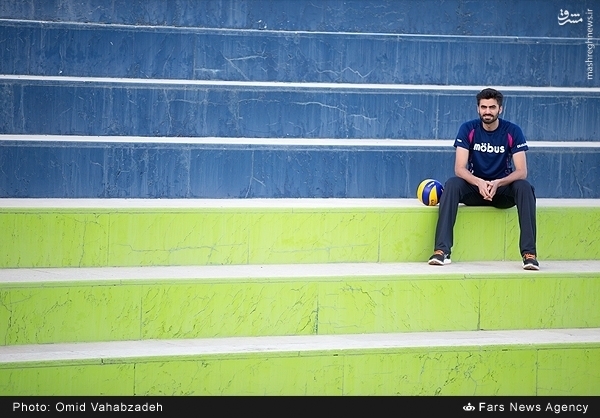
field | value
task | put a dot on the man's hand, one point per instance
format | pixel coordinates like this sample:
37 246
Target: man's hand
485 188
492 189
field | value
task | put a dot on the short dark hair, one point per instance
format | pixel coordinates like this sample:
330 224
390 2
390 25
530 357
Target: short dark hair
490 94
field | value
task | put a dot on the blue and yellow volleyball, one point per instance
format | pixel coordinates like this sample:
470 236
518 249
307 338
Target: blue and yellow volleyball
429 192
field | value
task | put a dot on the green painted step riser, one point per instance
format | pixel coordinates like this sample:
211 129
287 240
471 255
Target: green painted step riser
196 309
530 371
103 237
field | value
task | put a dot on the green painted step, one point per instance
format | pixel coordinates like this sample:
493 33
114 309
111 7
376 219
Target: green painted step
39 306
117 232
520 362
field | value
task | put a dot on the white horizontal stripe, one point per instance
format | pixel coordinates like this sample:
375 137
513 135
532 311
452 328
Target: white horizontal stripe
277 142
283 272
291 32
449 340
235 203
292 85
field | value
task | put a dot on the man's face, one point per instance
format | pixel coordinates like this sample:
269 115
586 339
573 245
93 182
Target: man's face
489 110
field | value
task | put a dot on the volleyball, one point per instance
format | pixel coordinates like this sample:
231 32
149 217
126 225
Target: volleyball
429 192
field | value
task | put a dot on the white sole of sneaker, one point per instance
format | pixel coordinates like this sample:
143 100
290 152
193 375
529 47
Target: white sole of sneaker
530 267
439 263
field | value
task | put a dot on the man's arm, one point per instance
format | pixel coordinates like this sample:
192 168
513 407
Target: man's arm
460 169
519 173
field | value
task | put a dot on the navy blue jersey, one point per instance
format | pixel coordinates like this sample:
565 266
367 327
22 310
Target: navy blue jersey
490 153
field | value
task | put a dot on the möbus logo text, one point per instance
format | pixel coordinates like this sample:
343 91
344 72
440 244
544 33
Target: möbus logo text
498 149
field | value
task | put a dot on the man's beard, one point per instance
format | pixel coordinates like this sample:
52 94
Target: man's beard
493 119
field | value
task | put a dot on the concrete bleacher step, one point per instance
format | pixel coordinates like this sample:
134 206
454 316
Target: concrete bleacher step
518 362
102 304
184 108
225 168
155 232
512 19
278 56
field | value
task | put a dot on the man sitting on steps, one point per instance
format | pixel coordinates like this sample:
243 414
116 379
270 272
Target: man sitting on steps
485 176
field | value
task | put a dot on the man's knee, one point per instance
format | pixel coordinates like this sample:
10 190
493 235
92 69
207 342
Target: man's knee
523 187
454 183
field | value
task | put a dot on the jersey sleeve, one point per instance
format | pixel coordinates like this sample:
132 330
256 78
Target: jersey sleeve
462 138
516 140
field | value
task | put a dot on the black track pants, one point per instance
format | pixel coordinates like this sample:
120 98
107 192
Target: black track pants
457 190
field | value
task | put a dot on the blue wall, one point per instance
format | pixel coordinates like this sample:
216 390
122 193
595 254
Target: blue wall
252 171
219 55
203 54
529 18
57 108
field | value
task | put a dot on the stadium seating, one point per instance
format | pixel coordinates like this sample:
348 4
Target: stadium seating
201 198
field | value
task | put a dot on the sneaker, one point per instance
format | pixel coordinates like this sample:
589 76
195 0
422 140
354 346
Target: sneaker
530 262
439 258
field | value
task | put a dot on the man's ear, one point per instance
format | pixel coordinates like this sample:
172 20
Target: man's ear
500 110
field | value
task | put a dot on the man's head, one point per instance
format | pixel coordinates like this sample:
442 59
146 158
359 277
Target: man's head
489 105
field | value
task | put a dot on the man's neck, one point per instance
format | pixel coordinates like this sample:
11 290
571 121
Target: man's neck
491 126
